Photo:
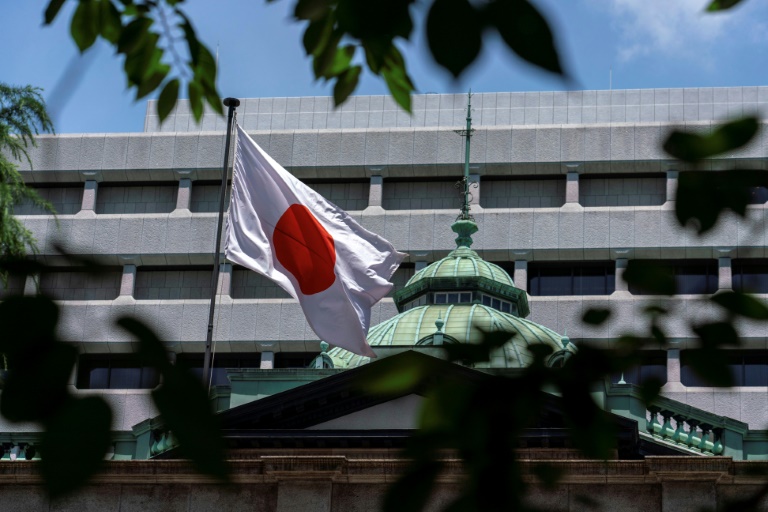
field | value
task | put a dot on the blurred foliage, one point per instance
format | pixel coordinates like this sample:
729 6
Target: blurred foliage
77 431
22 117
480 421
146 34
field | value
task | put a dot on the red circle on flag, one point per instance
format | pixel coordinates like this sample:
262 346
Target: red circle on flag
305 249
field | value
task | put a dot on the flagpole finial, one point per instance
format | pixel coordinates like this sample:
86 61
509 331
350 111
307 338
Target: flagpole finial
231 102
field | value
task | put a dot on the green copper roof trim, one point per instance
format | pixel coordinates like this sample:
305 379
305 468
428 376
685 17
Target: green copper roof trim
465 283
463 323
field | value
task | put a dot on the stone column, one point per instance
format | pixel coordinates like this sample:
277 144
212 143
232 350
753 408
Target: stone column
673 366
267 360
89 196
671 185
184 195
620 284
572 187
31 284
128 281
376 190
521 274
225 279
724 274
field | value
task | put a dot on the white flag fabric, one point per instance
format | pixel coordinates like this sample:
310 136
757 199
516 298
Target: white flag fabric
313 249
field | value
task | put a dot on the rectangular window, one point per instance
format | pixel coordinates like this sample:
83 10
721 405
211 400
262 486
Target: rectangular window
571 278
523 191
750 276
115 372
150 197
294 359
692 277
654 366
747 368
612 190
420 194
173 282
220 364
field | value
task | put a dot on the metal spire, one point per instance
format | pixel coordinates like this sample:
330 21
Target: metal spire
465 224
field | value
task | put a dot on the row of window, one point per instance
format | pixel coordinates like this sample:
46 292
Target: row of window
692 277
126 372
748 368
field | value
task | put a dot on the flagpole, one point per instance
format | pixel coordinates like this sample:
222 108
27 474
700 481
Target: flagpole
232 103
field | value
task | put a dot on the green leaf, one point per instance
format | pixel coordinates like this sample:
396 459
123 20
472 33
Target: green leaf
312 10
74 444
111 24
722 5
596 316
341 61
27 321
184 407
316 35
703 195
652 277
454 33
84 27
212 98
526 32
399 84
692 147
326 58
195 99
375 21
134 35
389 379
346 83
742 304
152 82
650 389
54 6
710 365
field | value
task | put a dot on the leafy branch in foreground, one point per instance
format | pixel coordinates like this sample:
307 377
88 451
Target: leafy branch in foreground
145 33
22 117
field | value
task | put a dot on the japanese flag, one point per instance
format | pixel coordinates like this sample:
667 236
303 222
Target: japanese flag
313 249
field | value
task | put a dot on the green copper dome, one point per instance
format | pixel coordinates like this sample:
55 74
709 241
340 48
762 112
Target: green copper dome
463 262
460 324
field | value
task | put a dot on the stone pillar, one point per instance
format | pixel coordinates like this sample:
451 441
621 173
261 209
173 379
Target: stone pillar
89 196
184 195
673 366
128 281
267 360
572 187
225 279
376 190
31 285
671 185
521 274
724 274
620 284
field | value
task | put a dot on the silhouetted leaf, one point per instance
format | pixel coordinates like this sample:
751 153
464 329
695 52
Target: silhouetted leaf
184 407
742 304
410 492
84 27
109 21
469 353
375 22
151 350
651 276
133 35
167 99
722 5
341 61
387 378
27 321
346 83
650 389
74 444
548 474
596 316
526 32
54 6
37 381
195 99
316 36
710 365
703 195
454 33
692 147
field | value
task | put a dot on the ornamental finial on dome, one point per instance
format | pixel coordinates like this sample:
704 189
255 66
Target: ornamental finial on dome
465 224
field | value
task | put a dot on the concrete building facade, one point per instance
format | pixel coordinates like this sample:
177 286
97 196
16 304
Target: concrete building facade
570 187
